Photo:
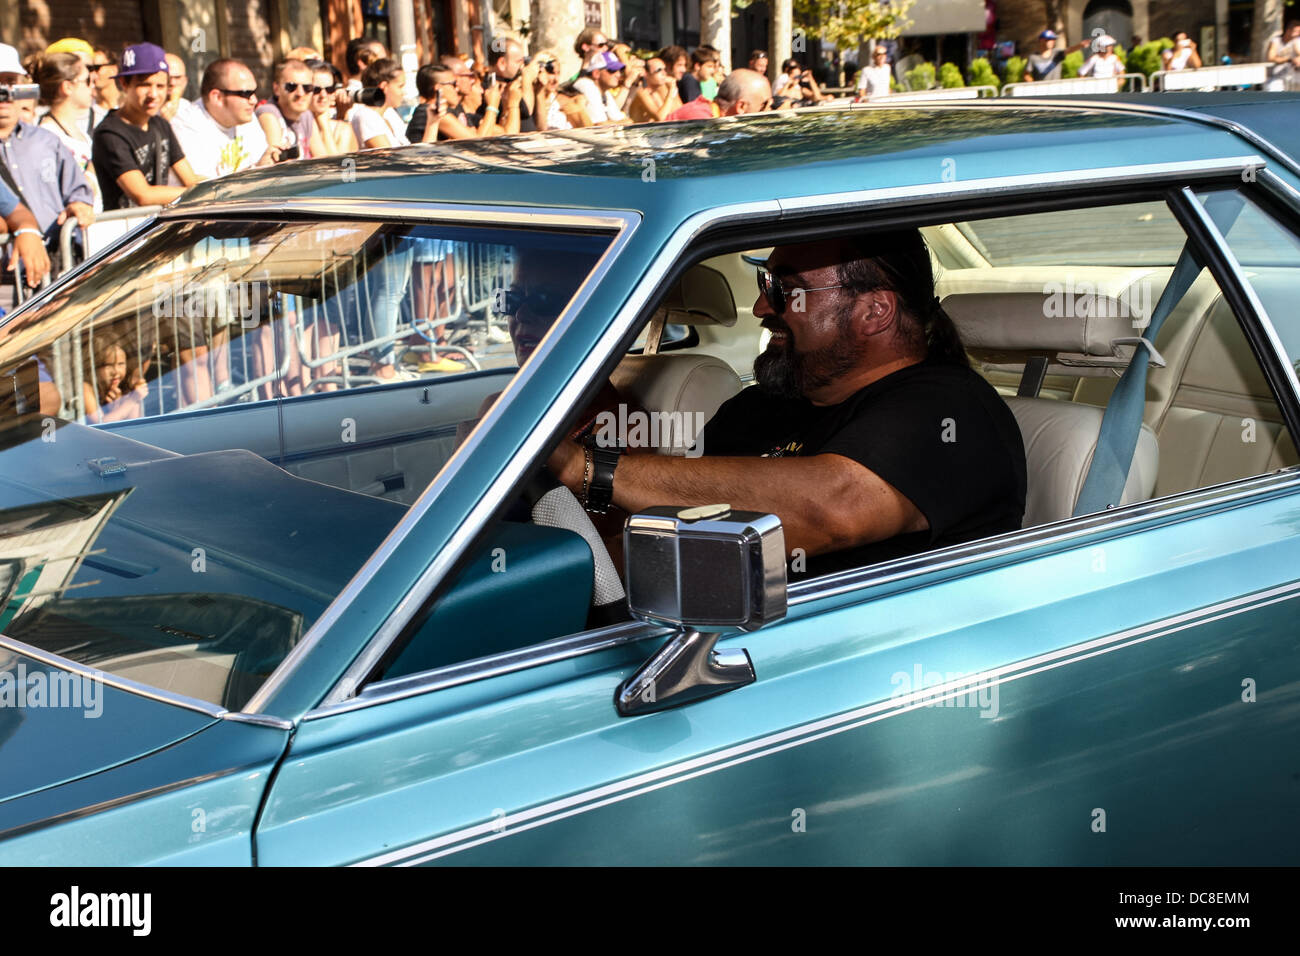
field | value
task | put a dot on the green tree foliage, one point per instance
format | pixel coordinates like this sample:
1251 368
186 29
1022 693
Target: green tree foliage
846 24
950 76
1146 58
981 73
1015 70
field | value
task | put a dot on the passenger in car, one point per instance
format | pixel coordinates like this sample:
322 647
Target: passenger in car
877 439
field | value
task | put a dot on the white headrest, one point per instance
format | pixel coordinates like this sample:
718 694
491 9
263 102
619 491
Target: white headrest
701 297
1056 320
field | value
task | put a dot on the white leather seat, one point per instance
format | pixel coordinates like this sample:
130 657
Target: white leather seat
687 385
1060 440
1060 437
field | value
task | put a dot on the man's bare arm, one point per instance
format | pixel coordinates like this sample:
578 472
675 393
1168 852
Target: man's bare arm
825 502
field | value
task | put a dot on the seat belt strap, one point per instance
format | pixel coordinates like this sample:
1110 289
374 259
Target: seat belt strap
1121 423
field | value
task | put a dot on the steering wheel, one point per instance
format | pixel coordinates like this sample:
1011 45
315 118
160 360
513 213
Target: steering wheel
552 505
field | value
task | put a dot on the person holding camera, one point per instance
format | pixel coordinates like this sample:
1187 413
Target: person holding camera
219 133
135 150
378 126
441 114
656 96
287 120
508 68
1183 56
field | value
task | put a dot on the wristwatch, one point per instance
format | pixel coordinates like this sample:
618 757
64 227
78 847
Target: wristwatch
599 490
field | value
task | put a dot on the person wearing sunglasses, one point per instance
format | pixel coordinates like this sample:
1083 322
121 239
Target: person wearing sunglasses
219 134
66 87
336 135
291 93
657 95
868 433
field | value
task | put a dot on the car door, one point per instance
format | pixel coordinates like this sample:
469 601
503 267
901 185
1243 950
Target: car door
1109 689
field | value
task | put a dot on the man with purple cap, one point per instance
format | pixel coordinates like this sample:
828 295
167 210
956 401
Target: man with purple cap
603 74
1046 63
134 147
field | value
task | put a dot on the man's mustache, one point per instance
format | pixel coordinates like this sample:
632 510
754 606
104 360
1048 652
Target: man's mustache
773 324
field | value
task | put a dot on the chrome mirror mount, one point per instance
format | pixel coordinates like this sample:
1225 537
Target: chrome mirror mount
708 572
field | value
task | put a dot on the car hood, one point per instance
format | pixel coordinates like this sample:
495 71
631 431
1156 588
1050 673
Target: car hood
57 726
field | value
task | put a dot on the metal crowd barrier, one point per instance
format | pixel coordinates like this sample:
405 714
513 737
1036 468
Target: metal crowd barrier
107 226
1212 77
938 93
1133 82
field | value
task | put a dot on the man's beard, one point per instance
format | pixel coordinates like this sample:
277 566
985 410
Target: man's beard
783 371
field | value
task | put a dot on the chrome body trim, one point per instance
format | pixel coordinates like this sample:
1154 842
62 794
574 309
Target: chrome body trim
866 199
461 537
112 680
587 800
1068 532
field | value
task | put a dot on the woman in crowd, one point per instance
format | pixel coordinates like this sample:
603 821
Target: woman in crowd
336 133
66 89
378 128
656 96
675 58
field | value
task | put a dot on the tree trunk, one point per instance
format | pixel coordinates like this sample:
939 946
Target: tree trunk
554 25
782 27
715 28
1055 10
1266 21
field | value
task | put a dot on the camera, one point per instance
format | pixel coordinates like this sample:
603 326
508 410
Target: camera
19 91
549 67
368 96
290 151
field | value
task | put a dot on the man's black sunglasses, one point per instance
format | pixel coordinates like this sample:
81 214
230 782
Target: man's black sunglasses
306 87
775 294
543 302
244 94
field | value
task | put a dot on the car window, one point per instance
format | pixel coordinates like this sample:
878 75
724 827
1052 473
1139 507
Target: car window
160 415
1209 416
1102 235
1269 255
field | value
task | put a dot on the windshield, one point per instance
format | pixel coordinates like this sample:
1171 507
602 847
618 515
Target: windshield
205 435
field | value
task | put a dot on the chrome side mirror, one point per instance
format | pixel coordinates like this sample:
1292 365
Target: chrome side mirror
706 571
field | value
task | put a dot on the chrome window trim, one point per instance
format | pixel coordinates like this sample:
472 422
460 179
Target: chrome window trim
386 210
1069 532
135 687
1272 182
1153 173
867 200
626 224
1075 103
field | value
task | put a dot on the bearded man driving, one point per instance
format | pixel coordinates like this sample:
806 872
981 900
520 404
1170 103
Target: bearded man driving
868 434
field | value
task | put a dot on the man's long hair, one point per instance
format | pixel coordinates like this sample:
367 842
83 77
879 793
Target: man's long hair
900 261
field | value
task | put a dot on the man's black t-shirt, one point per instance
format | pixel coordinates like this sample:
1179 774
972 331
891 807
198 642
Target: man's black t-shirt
118 146
937 432
688 88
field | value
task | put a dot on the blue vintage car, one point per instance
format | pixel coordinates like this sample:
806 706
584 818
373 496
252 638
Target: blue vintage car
284 580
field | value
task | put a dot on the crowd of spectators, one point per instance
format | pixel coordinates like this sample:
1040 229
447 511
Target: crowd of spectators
108 132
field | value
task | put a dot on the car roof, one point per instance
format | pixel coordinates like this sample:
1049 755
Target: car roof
679 168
